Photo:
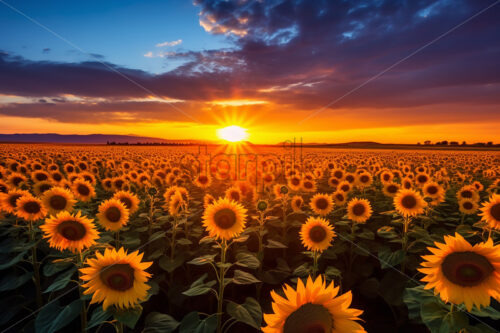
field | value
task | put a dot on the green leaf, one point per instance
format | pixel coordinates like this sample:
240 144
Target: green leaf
61 281
160 323
199 287
413 298
387 232
10 306
8 263
98 317
129 317
366 234
207 325
272 244
241 277
52 317
302 270
13 281
247 260
249 312
46 316
170 265
52 268
183 241
332 272
488 311
437 317
189 322
202 260
241 239
390 259
206 240
66 315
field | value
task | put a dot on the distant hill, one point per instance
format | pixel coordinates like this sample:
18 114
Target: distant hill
88 139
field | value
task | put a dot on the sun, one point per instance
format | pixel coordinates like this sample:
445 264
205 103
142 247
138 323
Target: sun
232 133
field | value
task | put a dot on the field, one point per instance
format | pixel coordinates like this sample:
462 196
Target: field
248 239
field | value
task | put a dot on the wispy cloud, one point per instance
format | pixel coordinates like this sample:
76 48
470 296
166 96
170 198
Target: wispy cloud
173 43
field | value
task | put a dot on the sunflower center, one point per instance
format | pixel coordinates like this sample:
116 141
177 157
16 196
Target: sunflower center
495 211
392 188
364 179
13 198
203 179
358 209
57 177
338 174
309 318
422 179
295 181
41 176
409 201
225 218
118 277
119 183
432 190
466 269
58 202
387 177
317 234
467 194
235 196
126 201
467 205
339 197
308 185
345 188
321 203
32 207
349 178
16 180
113 214
83 189
72 230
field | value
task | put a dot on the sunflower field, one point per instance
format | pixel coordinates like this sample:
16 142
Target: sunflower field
164 239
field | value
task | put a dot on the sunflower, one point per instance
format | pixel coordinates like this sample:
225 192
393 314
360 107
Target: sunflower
295 183
58 199
407 183
468 192
233 193
175 204
409 203
30 208
345 186
490 212
308 186
297 202
224 219
313 307
83 190
203 181
338 173
39 176
4 188
112 214
433 190
40 188
462 273
70 232
359 210
316 234
8 201
321 204
478 185
339 197
333 182
116 278
280 191
364 179
16 179
129 199
468 206
208 199
422 178
386 176
391 189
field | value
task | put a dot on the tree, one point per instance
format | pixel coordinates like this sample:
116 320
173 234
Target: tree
427 142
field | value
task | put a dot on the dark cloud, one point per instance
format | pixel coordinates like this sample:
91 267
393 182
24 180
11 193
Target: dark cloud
300 56
46 50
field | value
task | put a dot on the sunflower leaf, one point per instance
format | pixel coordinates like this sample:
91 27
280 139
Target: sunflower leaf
160 323
249 312
129 317
241 277
61 281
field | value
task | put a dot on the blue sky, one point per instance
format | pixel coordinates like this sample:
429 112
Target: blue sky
122 31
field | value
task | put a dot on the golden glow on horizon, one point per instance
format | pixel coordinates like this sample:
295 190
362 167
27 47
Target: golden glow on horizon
238 102
233 133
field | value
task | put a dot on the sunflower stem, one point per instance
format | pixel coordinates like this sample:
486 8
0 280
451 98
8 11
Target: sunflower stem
36 269
315 263
405 242
83 314
222 271
462 219
260 254
117 239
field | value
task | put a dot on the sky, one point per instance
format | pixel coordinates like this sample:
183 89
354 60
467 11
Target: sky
390 71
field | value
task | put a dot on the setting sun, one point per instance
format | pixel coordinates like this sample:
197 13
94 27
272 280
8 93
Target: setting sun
232 133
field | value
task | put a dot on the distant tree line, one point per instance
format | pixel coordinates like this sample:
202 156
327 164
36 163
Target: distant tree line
456 144
113 143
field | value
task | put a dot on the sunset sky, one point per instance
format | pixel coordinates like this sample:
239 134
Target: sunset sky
325 71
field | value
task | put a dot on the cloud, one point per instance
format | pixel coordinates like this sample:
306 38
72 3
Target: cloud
46 50
297 56
173 43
